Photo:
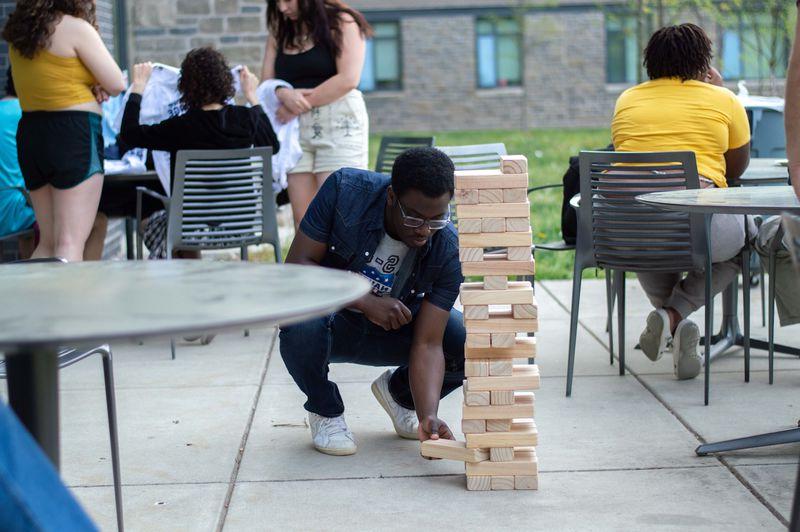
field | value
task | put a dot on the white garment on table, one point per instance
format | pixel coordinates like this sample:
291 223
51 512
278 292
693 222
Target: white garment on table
288 134
131 163
162 100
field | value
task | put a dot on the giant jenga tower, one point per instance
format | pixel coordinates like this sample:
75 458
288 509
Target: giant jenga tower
493 212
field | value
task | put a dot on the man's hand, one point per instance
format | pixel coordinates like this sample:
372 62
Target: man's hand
386 312
140 77
293 100
433 428
713 77
249 84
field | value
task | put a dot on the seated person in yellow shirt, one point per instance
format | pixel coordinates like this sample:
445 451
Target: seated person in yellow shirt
685 107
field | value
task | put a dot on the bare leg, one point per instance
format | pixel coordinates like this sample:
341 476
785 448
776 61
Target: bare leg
97 238
302 189
74 212
321 177
42 200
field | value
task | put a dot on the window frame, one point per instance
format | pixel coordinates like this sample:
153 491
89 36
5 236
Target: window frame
519 34
399 39
741 26
647 29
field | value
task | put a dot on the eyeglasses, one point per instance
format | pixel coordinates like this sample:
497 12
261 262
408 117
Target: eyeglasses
434 225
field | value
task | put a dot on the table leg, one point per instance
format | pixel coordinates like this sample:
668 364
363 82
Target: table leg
33 395
709 309
795 524
129 232
750 442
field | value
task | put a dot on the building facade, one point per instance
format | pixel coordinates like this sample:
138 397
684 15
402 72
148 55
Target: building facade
468 64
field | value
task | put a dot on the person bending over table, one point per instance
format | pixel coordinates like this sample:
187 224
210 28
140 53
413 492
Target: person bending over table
685 107
395 232
206 86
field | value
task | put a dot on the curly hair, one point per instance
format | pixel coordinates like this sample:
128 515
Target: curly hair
321 17
30 26
425 169
205 78
683 52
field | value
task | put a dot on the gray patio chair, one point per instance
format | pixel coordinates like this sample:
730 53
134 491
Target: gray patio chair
68 356
391 147
475 156
221 199
617 233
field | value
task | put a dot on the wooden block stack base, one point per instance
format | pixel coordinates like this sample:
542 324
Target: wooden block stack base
493 211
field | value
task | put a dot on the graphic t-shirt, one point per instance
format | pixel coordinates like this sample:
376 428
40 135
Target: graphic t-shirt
382 270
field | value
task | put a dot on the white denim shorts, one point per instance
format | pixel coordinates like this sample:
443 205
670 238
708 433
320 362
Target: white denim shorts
334 136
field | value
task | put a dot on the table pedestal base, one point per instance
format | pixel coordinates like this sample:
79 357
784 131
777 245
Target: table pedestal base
750 442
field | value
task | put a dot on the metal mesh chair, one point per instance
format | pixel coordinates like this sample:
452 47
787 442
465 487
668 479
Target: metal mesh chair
391 147
475 156
617 233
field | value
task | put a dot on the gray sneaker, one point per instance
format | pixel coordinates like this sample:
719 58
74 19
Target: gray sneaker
686 362
331 435
655 338
404 420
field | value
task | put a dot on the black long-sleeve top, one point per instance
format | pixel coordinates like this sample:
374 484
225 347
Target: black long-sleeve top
233 126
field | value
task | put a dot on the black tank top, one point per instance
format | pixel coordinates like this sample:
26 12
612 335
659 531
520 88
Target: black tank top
307 69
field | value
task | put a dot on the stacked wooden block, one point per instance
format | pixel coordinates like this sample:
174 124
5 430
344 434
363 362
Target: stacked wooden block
493 212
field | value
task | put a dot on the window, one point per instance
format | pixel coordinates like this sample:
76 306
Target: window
382 60
622 49
499 52
750 44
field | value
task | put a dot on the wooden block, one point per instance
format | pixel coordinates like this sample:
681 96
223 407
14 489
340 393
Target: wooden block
486 240
524 347
476 398
469 225
473 426
491 195
523 377
501 397
451 450
476 312
518 293
495 282
514 164
501 454
476 368
521 433
519 253
479 340
502 483
479 483
499 265
493 225
483 179
524 482
498 425
517 224
494 210
515 195
522 408
470 254
466 196
503 339
501 368
524 312
524 464
502 325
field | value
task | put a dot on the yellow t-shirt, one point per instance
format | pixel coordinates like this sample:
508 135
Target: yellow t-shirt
670 115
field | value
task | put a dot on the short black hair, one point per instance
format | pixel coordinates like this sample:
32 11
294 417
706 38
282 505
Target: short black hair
10 89
682 51
425 169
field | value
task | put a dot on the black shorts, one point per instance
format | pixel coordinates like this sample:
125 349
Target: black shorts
59 148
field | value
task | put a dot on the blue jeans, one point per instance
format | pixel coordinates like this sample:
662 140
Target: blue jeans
307 348
32 496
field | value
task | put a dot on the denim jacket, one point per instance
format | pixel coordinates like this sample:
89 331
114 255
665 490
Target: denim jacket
347 215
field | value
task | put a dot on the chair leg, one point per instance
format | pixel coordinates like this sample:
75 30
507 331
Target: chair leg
610 294
111 406
771 312
573 325
763 300
746 309
172 347
619 289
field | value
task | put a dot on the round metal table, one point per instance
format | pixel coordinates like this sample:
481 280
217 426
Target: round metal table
764 171
50 305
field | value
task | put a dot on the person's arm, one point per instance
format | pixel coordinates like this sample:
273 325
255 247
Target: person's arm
264 134
348 67
270 53
95 56
165 135
792 111
426 370
736 162
738 155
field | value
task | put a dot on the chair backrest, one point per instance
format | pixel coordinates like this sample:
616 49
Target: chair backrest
475 156
617 232
391 147
222 199
769 135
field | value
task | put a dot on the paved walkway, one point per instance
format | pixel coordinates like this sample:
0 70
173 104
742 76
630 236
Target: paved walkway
217 439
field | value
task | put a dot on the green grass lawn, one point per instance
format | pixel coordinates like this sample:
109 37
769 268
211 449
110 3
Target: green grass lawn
548 152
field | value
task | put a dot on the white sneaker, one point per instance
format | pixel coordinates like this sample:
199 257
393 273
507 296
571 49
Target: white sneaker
404 420
331 435
655 338
686 362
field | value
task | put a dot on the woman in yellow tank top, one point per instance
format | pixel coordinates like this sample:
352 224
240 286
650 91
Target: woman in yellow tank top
62 71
